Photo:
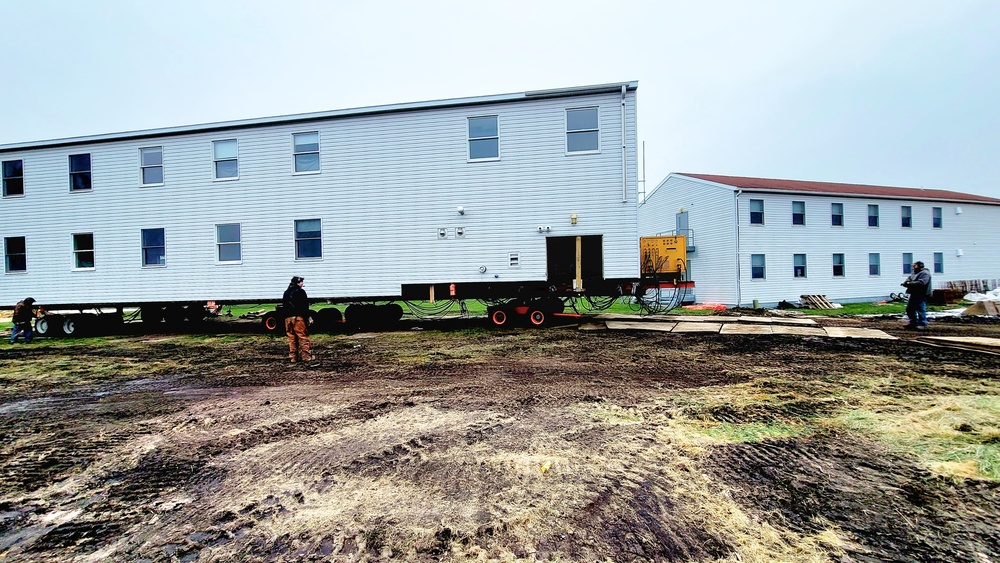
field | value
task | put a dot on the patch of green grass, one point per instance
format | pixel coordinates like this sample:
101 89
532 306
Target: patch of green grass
877 308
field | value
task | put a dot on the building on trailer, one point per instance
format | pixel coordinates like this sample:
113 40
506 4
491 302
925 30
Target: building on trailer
765 240
478 195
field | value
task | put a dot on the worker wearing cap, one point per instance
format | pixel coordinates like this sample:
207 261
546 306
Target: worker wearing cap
295 305
24 313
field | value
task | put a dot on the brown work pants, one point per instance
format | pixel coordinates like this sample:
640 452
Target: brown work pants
298 339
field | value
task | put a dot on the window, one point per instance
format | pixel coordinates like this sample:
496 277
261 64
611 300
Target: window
937 218
15 255
798 213
838 265
151 165
227 164
907 263
484 138
227 240
154 248
874 264
582 130
799 266
83 250
305 152
757 267
308 239
906 216
79 172
837 214
13 178
939 262
872 215
514 260
756 212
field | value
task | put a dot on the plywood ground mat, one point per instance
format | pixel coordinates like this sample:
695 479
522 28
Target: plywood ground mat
707 319
981 344
739 328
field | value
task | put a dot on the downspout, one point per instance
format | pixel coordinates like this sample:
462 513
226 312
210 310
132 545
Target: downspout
624 160
739 280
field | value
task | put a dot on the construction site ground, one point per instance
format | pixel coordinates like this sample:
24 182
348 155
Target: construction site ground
848 440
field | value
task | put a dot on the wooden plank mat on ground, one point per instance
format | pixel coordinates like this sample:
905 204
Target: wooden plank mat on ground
697 327
977 343
647 325
850 332
798 330
741 328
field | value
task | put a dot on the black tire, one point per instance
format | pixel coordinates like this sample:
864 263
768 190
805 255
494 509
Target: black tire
51 326
499 316
73 325
537 317
327 319
272 322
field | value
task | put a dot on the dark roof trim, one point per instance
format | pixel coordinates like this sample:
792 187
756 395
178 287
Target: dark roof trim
764 185
316 116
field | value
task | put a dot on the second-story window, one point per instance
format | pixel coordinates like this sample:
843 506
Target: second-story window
151 166
837 214
756 212
226 155
583 132
872 215
484 138
13 177
798 213
905 216
79 172
305 149
937 220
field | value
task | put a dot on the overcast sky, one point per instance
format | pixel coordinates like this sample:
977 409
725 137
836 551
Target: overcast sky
898 93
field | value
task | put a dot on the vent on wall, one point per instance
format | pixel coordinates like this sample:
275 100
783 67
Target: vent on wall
514 260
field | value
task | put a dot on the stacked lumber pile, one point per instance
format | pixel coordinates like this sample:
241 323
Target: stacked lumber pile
816 301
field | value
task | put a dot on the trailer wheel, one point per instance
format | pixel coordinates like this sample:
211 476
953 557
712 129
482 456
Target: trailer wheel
45 326
271 322
71 325
536 317
499 317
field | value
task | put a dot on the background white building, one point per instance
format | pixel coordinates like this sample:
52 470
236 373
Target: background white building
772 240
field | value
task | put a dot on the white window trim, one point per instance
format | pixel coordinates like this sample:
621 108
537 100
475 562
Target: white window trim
295 250
841 215
237 159
24 189
76 268
805 266
319 153
217 244
143 248
843 265
69 172
762 278
750 212
163 171
566 131
469 139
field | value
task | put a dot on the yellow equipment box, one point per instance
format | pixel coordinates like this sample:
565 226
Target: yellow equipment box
662 255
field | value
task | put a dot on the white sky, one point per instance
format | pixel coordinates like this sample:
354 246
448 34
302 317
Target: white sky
899 93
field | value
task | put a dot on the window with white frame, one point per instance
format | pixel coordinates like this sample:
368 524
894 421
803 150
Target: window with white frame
939 262
907 263
758 267
756 212
308 239
151 166
154 248
305 152
874 264
838 266
799 265
905 216
15 255
79 172
226 159
13 177
937 217
83 251
837 214
484 138
228 242
583 133
798 213
872 215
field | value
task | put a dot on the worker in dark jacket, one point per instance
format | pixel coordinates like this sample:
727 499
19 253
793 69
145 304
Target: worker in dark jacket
24 313
295 305
918 286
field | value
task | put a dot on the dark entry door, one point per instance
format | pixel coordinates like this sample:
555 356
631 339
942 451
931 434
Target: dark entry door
561 259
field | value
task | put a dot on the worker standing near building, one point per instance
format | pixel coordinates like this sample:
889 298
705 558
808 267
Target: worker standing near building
295 305
918 286
24 313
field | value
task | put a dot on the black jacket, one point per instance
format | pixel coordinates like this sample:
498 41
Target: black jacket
295 302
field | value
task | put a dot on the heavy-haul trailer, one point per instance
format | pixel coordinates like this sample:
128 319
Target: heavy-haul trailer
495 196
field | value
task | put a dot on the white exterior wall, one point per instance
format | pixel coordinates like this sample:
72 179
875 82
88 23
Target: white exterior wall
387 183
712 218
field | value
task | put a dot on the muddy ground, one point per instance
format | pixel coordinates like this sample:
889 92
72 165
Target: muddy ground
474 443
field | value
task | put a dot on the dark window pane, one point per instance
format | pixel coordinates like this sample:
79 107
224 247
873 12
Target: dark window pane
580 119
229 253
152 157
80 181
226 169
482 127
155 256
576 142
13 168
307 162
13 186
484 148
152 237
85 259
14 245
229 233
79 163
83 242
17 263
311 248
153 175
